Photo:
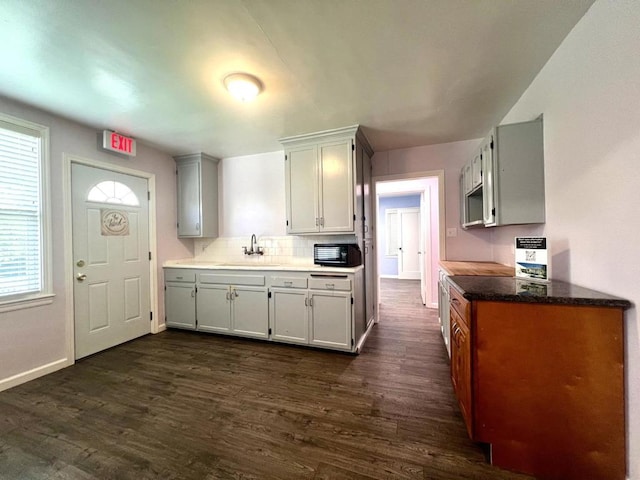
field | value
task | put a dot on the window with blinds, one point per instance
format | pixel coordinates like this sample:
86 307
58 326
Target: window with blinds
21 210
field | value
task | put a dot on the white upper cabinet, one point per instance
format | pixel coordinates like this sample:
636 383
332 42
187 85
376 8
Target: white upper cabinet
504 182
301 180
513 186
336 168
197 177
476 171
320 172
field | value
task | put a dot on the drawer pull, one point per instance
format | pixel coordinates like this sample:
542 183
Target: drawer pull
179 278
330 285
456 301
288 284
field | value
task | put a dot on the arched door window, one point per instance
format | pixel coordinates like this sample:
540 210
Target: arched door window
113 192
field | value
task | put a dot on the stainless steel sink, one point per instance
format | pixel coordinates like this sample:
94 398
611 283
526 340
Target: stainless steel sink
252 265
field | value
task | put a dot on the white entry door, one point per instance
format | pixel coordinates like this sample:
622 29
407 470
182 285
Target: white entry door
409 242
111 258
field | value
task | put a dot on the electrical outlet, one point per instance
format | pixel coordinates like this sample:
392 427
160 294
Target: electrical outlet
452 232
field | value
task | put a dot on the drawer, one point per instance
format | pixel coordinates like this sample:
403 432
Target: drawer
291 282
330 283
460 304
175 275
229 279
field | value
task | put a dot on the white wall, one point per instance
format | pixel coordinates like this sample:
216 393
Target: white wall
589 93
35 338
473 244
252 195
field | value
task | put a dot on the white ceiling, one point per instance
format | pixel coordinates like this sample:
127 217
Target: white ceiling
411 72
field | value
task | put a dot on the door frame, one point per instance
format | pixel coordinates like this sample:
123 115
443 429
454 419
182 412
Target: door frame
439 174
67 161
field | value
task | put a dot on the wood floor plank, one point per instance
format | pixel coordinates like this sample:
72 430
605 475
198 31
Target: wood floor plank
185 405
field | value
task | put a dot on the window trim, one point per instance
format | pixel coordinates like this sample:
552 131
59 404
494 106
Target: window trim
45 295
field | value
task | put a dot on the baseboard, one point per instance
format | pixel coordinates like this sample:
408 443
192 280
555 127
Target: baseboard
32 374
162 328
388 276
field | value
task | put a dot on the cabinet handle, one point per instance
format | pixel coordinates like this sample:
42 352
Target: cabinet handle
306 302
235 293
330 286
193 293
226 295
322 221
198 226
311 302
456 301
366 229
317 222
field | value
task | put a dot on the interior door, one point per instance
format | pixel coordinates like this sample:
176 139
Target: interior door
110 233
409 231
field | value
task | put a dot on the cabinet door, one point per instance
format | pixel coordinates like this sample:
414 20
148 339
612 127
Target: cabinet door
330 319
476 170
463 202
488 187
466 173
336 186
289 315
366 189
461 367
189 199
301 183
250 311
180 305
214 308
369 282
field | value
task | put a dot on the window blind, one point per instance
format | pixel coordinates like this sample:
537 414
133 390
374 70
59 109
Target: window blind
20 211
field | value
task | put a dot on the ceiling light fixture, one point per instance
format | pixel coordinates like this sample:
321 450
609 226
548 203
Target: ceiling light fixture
243 86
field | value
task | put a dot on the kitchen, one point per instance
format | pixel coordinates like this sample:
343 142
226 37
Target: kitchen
587 92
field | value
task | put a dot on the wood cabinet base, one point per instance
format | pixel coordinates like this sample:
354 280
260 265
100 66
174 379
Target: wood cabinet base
548 388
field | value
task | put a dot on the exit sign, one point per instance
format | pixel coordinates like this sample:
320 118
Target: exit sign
118 143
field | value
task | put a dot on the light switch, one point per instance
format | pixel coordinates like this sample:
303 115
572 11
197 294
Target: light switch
452 232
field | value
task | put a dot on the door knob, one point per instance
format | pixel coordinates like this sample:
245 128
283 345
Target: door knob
81 276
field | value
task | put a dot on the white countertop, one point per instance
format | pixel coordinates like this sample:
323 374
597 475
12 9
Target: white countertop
211 265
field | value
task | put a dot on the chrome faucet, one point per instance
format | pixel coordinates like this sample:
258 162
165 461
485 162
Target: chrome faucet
254 243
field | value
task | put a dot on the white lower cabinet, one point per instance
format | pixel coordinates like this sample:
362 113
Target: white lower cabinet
180 305
330 319
233 309
250 311
180 298
214 308
293 307
290 315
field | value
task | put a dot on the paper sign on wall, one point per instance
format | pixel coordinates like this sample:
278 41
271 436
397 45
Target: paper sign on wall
114 222
532 260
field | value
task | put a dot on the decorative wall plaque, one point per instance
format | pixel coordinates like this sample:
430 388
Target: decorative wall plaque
114 222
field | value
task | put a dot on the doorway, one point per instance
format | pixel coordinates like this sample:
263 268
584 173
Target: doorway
111 257
424 193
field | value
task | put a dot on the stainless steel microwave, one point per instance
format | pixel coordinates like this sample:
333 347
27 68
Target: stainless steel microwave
337 254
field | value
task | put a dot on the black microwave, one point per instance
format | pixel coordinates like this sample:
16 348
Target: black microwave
337 254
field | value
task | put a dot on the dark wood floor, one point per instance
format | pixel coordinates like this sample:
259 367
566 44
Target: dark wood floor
182 405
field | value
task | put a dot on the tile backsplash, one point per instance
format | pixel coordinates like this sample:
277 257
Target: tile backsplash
284 250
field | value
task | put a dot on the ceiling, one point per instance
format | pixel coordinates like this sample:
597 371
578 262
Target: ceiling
411 72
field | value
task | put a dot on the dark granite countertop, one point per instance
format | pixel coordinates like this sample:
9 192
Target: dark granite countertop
510 289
